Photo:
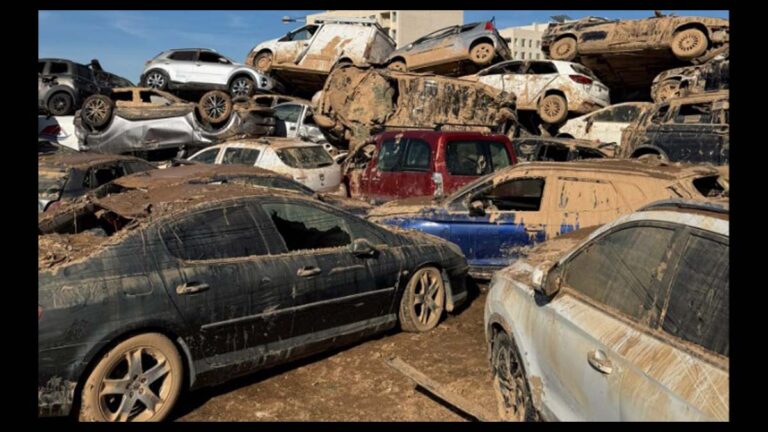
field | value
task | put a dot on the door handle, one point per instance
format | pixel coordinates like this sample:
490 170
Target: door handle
600 361
308 271
191 288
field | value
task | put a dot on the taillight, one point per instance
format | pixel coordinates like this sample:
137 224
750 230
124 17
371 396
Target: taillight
39 311
488 25
581 79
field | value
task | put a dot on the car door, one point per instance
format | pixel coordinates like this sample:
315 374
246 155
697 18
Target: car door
539 76
288 116
515 81
693 133
610 289
182 66
212 68
688 376
583 202
225 281
290 47
426 52
606 125
402 168
334 291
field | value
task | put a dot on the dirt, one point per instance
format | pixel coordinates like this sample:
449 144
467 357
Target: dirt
355 384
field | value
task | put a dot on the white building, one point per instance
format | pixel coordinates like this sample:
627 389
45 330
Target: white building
525 41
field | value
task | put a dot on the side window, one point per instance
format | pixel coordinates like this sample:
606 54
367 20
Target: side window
301 34
58 68
183 56
154 98
526 150
466 158
694 113
40 67
304 227
514 68
586 195
516 195
417 158
621 270
553 152
698 299
658 116
499 155
206 156
541 68
240 156
227 232
97 176
288 113
389 154
211 57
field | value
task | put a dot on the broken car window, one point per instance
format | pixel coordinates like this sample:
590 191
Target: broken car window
288 113
514 195
240 156
623 270
698 300
659 115
305 157
303 227
228 232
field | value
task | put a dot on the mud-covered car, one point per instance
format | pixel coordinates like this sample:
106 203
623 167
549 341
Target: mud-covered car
554 89
66 175
604 125
135 119
149 293
357 103
533 149
452 50
497 217
684 37
686 129
626 322
689 80
303 58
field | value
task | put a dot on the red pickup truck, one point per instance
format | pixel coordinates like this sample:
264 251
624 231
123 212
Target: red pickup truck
402 164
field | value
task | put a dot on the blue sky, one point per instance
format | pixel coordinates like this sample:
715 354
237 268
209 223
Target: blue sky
124 40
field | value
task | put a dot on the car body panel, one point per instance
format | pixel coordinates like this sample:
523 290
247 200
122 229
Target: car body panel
606 124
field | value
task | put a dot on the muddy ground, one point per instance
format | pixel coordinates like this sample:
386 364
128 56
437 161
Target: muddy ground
355 384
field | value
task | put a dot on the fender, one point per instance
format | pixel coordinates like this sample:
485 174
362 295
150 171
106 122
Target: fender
59 88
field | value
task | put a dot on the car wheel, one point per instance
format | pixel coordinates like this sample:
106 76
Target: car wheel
60 104
668 89
512 392
563 49
263 61
215 106
241 86
482 53
689 44
398 65
423 301
96 111
140 379
553 109
156 79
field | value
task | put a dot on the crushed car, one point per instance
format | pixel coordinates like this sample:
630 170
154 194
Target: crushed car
452 50
66 175
606 124
140 119
410 163
357 103
711 76
306 162
686 129
204 69
303 58
533 149
554 89
151 293
497 217
625 322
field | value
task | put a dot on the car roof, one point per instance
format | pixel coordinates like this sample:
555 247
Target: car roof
49 59
62 160
565 141
273 142
437 134
174 175
623 167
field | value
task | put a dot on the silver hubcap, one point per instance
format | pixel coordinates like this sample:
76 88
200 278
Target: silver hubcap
96 111
59 102
136 387
214 107
241 87
429 299
509 379
156 80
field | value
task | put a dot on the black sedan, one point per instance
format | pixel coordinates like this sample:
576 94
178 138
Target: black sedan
148 292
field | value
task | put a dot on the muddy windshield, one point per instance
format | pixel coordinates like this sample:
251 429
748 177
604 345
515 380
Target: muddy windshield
305 157
50 182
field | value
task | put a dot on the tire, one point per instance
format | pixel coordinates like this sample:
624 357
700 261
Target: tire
563 49
513 393
97 111
668 89
263 61
553 109
416 314
398 65
215 107
241 86
159 373
689 44
156 79
482 53
60 104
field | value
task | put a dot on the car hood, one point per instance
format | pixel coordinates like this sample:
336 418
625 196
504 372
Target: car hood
406 207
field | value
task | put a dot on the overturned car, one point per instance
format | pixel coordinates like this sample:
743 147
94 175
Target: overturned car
711 76
358 102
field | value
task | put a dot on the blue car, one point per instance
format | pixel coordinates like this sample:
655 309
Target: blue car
498 217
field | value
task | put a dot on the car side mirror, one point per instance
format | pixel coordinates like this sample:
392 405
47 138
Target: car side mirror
477 208
545 279
362 247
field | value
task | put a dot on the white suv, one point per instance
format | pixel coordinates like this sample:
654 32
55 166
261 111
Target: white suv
203 69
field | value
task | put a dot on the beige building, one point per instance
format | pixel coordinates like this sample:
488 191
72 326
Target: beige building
525 41
404 26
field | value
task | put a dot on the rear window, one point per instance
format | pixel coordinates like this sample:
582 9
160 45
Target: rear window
305 157
473 158
240 156
584 71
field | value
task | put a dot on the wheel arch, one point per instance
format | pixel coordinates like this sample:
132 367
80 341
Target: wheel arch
551 91
481 39
648 149
696 25
243 72
158 68
61 89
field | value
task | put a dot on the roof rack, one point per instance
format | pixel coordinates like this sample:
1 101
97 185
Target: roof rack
686 204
